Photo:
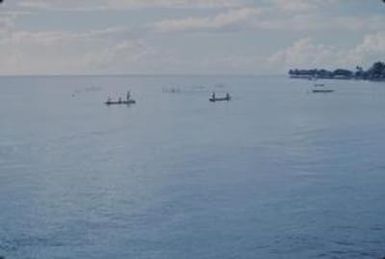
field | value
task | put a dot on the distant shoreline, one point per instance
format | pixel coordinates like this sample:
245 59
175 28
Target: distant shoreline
375 73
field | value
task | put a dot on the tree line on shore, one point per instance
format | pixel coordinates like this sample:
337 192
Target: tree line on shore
375 73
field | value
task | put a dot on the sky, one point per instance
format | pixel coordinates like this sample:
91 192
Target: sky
257 37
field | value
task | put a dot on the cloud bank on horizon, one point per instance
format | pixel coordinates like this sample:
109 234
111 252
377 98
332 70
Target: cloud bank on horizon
188 36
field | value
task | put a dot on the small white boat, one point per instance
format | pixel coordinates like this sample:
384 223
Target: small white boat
322 90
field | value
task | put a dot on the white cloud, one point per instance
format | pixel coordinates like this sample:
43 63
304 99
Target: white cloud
372 43
231 18
252 18
305 53
119 57
302 5
58 52
63 47
371 49
295 5
122 4
286 5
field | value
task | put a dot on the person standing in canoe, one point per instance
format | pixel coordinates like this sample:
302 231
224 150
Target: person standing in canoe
128 95
213 95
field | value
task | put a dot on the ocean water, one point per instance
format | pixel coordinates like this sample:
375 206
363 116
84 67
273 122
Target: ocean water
278 172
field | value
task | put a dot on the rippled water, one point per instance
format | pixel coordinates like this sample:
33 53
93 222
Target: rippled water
278 172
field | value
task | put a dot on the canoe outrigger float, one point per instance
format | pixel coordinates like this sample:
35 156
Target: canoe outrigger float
219 99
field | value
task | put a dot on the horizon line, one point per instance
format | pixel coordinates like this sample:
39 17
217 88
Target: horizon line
134 75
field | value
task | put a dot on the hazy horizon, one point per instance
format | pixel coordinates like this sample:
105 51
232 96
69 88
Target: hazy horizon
144 75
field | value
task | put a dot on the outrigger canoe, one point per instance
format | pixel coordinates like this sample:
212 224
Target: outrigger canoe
120 102
228 98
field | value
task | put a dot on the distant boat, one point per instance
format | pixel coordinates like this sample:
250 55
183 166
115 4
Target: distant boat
319 85
127 102
120 101
219 99
323 90
171 90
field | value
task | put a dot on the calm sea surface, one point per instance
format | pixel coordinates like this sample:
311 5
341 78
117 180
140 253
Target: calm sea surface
278 172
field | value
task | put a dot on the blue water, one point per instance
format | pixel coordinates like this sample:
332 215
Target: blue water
278 172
